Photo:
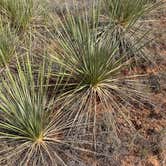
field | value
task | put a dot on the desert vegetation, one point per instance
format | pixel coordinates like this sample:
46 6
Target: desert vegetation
76 77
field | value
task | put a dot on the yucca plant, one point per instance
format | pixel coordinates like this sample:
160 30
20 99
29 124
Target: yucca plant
33 125
94 75
20 13
123 21
8 43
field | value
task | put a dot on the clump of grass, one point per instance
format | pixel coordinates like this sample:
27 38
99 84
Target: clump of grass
123 21
29 123
94 74
126 13
18 12
8 43
23 14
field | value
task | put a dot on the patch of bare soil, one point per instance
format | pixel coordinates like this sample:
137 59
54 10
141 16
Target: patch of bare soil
149 148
